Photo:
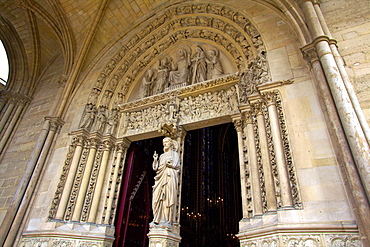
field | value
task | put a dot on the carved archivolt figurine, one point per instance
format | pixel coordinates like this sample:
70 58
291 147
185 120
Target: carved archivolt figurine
100 120
89 117
166 184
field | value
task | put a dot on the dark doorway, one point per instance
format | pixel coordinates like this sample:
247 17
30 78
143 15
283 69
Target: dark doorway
134 209
210 204
211 197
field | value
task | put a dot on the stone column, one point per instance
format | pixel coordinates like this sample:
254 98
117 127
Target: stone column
121 152
238 123
252 158
347 83
71 176
350 122
100 182
85 181
266 162
52 126
353 184
9 129
286 194
8 111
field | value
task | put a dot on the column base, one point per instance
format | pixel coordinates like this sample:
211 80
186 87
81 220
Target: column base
164 237
267 231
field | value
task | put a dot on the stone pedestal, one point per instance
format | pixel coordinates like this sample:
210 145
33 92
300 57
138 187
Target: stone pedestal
164 237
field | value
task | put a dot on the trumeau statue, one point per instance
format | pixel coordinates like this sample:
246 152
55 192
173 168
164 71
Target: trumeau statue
186 70
166 184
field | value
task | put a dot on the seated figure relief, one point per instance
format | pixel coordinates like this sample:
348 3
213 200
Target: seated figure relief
186 70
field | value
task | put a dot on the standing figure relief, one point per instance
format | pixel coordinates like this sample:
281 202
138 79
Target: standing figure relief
186 70
166 184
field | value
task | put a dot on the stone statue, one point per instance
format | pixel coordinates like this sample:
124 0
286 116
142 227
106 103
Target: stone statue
89 117
162 80
214 66
101 119
166 184
112 122
199 66
147 83
180 71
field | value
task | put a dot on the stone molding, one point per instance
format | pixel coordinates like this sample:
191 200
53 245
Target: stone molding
315 239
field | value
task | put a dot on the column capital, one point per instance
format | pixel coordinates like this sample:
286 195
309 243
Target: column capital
310 54
78 140
270 98
238 122
172 130
248 116
55 123
14 97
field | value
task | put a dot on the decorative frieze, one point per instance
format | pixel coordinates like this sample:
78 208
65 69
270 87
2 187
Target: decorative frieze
182 111
317 239
70 241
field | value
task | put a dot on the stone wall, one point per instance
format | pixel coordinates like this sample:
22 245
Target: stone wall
20 150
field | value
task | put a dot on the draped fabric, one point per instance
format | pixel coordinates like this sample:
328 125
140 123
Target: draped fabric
211 197
134 212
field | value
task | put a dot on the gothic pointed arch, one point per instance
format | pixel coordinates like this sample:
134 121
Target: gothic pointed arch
214 26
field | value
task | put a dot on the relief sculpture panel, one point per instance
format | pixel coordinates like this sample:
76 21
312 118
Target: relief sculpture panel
190 66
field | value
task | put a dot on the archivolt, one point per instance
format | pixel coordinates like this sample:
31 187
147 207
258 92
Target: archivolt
211 23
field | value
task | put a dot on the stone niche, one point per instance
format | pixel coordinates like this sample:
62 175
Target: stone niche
182 65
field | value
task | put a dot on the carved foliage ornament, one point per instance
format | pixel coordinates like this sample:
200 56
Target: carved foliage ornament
182 111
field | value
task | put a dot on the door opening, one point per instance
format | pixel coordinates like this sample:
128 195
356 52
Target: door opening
211 197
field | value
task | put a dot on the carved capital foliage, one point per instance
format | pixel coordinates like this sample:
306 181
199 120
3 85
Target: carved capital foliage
107 145
78 140
270 97
238 123
55 123
248 116
310 54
